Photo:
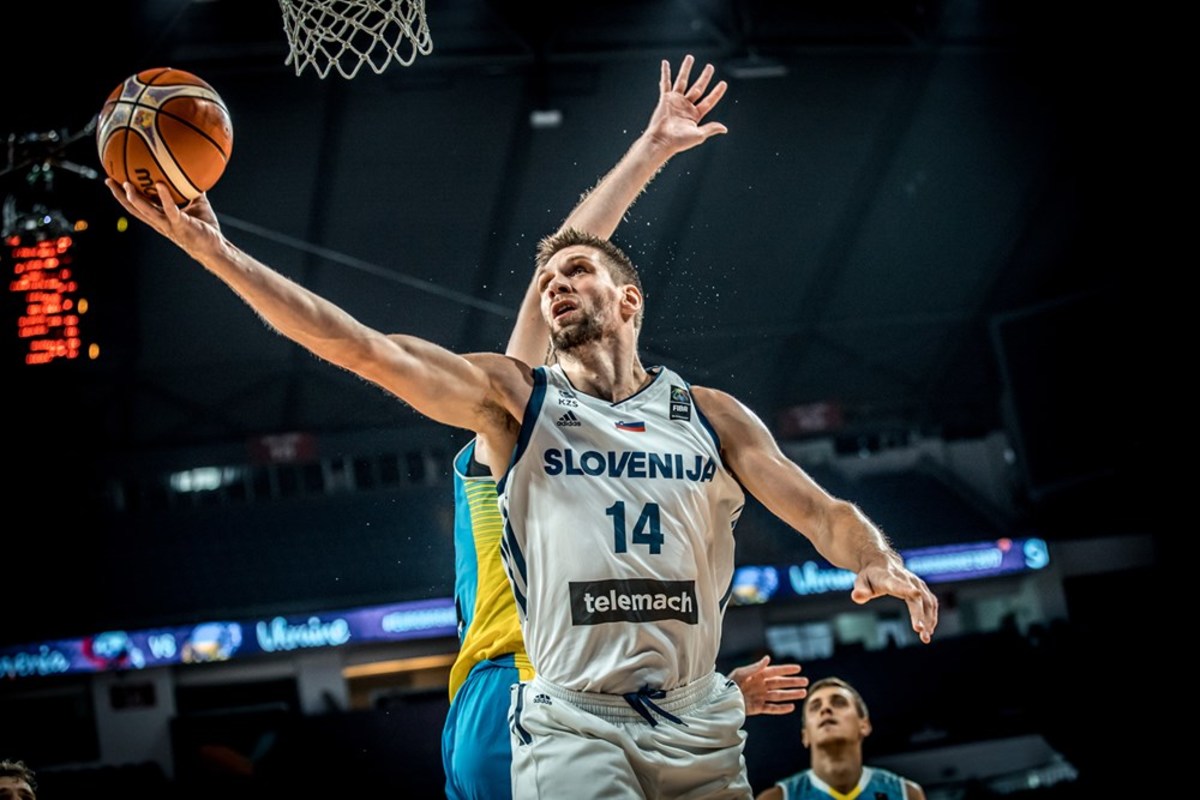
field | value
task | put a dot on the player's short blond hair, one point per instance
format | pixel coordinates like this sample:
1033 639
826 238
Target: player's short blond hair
860 705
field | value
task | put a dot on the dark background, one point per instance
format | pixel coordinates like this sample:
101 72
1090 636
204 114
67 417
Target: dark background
941 219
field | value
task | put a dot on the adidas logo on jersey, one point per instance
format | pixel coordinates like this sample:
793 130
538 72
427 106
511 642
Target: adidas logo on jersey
542 698
568 420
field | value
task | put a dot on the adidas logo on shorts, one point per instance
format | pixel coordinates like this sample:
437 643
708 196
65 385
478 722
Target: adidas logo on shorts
568 420
542 698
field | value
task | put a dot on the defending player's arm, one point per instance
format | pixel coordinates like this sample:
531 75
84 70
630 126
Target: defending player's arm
838 529
446 387
675 126
770 688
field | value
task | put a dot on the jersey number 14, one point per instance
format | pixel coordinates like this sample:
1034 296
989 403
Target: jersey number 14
646 530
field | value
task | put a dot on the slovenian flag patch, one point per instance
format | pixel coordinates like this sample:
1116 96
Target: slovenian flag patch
636 427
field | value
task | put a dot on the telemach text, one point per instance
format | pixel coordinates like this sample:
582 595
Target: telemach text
641 600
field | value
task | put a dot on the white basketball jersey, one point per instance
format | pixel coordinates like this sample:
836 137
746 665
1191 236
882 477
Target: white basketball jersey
618 535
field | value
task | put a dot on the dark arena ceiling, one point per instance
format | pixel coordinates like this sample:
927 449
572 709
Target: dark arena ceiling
926 218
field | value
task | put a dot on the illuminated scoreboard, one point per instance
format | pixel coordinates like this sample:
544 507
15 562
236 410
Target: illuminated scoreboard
51 308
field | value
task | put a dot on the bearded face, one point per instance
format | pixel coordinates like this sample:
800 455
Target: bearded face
583 331
579 301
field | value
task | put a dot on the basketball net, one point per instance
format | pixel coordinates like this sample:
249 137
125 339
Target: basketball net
345 34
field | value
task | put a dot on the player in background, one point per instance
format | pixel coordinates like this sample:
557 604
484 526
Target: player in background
834 722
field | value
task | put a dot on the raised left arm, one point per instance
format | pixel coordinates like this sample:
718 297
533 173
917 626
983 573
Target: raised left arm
839 530
676 124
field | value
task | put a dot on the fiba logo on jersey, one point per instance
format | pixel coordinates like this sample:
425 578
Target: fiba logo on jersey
681 403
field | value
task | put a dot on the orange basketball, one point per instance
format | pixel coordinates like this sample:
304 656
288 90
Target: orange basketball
165 125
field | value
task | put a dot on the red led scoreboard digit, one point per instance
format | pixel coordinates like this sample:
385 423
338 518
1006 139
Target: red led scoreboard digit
50 306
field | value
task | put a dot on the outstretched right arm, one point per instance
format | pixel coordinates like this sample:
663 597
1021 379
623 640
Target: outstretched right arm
446 387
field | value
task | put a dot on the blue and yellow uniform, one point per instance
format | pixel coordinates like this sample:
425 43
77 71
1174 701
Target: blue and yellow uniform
476 750
875 784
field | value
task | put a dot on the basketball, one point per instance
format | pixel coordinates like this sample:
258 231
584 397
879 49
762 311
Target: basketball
165 125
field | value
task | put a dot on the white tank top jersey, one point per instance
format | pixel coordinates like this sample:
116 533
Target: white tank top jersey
618 537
